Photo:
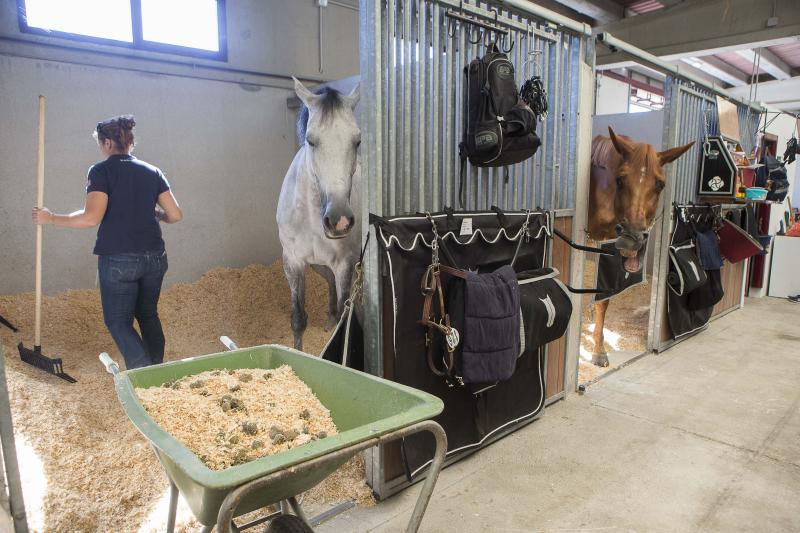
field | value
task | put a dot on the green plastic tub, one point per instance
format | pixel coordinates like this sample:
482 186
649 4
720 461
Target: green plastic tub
362 407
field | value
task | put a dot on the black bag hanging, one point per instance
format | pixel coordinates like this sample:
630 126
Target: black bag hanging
545 305
499 127
772 176
687 274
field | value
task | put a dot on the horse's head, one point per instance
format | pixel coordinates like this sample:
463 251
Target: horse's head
639 181
331 138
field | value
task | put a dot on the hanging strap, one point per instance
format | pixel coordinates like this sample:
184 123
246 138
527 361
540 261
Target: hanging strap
580 247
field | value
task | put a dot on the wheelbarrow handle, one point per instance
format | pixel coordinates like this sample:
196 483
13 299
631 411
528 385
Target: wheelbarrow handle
111 366
229 344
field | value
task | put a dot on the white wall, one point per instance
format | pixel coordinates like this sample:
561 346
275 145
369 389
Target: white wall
644 127
221 132
612 96
783 126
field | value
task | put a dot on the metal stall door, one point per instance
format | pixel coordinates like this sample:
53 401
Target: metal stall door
412 77
691 115
690 111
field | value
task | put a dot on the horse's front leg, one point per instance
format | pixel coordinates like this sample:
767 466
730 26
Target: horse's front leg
333 306
295 274
599 356
343 272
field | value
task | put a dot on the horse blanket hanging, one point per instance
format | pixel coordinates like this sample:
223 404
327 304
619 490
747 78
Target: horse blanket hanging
493 246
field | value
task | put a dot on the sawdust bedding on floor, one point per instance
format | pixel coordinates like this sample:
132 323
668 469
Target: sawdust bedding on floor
627 315
101 473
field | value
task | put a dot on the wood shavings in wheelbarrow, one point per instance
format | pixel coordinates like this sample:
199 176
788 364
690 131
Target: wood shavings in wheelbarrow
97 472
231 417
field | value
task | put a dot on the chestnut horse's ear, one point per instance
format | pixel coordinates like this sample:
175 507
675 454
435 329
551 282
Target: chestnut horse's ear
621 145
668 156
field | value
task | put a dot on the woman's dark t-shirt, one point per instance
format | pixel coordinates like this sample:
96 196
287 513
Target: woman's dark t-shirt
129 225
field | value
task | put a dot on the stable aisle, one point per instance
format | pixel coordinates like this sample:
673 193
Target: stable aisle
705 437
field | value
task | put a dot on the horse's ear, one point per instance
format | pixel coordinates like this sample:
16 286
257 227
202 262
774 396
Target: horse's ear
668 156
620 145
354 96
306 96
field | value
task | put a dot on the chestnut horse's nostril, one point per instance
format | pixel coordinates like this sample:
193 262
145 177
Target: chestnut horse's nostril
619 229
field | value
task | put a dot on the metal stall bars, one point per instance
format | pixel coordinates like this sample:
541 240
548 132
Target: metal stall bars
687 99
412 60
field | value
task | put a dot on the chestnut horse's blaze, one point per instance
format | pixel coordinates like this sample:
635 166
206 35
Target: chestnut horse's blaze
626 181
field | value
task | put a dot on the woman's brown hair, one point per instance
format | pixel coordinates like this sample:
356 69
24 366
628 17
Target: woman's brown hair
118 129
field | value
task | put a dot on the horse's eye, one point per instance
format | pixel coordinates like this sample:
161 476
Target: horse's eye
660 185
620 181
358 143
311 142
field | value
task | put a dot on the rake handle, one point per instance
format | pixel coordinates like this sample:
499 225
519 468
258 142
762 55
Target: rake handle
39 203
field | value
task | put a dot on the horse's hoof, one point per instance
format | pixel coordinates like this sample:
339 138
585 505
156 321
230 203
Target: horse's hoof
600 359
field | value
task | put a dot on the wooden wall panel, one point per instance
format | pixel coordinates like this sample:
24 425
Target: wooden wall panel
731 285
557 350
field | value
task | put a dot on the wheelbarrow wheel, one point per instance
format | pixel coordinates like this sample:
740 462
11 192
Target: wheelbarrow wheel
288 523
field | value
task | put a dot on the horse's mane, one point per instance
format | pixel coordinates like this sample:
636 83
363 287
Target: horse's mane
330 102
604 155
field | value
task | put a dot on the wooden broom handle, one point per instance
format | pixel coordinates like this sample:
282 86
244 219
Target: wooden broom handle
39 203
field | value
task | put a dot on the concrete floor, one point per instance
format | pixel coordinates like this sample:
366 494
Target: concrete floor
704 437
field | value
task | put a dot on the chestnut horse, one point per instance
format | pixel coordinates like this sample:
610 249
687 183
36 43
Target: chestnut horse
626 181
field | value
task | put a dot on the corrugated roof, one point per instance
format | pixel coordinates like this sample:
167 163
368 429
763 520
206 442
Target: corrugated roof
645 6
739 62
790 53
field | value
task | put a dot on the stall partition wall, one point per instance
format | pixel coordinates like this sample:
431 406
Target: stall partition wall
686 108
412 61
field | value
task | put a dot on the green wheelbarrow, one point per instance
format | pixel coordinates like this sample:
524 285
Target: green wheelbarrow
367 410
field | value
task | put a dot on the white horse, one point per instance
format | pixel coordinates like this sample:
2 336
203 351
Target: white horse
318 222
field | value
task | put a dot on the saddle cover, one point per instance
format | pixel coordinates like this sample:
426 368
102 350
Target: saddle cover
484 308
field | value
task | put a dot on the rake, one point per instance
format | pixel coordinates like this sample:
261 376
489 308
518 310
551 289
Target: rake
35 357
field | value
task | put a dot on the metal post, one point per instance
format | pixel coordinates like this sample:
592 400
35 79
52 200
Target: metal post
663 230
580 217
13 483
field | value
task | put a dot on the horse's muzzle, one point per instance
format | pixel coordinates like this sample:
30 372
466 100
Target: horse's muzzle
631 246
337 223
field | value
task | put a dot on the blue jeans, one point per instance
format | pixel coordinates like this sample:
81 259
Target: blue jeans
130 285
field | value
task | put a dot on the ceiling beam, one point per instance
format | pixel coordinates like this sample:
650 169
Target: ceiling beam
769 63
779 93
718 69
602 11
688 28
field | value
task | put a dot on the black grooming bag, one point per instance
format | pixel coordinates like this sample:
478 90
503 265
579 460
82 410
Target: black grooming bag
545 305
687 273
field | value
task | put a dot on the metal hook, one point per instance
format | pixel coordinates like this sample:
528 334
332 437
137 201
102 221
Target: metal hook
532 58
480 35
451 28
510 48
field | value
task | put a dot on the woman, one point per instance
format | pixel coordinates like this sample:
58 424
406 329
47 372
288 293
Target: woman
127 197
